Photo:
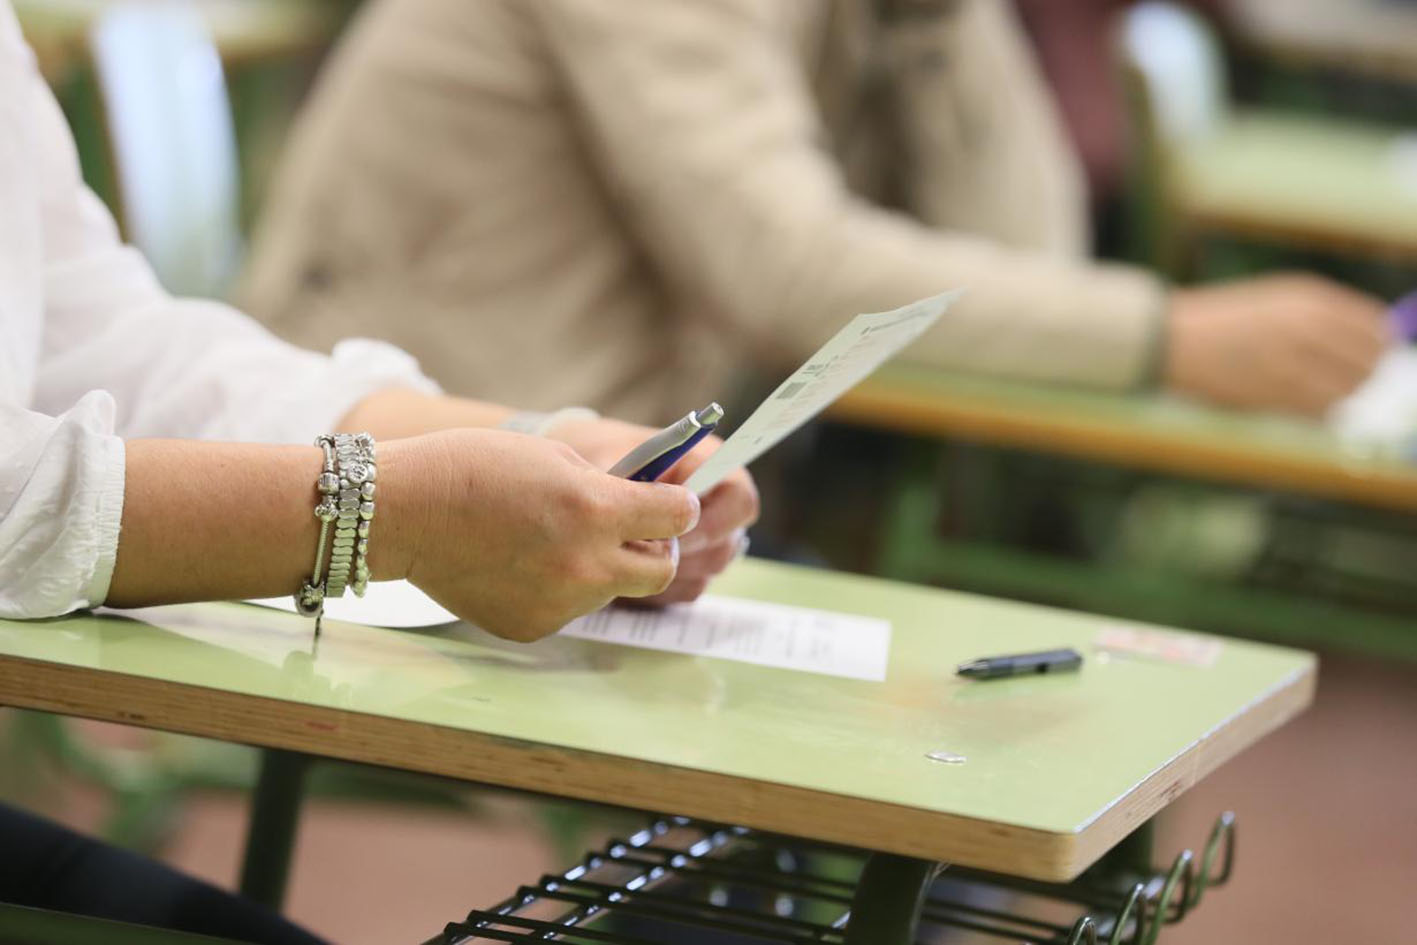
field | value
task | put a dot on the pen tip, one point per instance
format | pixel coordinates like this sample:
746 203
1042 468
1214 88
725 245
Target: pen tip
710 414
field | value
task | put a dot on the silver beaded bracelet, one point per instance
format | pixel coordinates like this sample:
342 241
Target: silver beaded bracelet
346 488
354 454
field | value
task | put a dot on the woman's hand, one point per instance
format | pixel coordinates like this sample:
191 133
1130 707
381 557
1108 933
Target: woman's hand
728 509
519 534
1296 343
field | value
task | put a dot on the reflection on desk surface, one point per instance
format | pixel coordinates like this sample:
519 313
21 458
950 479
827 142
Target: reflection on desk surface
1050 753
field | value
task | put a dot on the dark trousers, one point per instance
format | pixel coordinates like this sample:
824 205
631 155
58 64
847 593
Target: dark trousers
46 866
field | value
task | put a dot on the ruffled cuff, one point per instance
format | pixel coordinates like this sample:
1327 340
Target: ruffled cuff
108 519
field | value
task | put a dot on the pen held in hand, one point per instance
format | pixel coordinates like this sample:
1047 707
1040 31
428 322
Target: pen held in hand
654 457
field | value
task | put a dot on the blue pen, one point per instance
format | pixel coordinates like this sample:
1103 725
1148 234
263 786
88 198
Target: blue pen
652 458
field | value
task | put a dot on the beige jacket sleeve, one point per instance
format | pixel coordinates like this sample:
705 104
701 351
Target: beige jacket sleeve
699 118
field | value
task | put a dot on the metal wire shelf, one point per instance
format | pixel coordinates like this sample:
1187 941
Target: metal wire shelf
686 882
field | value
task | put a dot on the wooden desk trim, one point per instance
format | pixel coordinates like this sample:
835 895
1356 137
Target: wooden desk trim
473 756
1310 234
979 419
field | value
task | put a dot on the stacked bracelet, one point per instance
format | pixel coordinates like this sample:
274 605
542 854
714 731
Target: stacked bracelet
346 488
354 454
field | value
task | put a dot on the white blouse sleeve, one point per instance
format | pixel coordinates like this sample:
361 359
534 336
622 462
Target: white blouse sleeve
175 367
61 501
120 358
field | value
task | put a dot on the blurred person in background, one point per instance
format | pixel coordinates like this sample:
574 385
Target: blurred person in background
1073 44
647 198
112 491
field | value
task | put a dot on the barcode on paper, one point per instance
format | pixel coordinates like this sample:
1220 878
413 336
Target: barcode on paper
790 391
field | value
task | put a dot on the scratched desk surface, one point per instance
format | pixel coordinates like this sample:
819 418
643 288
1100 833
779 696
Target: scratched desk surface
1057 770
1142 431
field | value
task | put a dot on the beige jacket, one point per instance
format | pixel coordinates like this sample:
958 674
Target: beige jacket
624 203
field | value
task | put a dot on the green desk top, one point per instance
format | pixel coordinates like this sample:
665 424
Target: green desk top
1058 768
1308 178
1377 37
1144 431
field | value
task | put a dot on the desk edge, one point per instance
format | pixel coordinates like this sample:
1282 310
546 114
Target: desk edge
590 776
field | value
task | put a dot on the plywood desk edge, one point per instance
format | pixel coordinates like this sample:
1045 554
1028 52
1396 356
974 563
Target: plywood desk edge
1261 716
590 776
889 406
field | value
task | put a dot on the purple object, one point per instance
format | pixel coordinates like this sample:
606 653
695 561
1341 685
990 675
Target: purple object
1403 317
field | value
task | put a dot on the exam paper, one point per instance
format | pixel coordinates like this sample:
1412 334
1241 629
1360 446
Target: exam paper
814 641
397 605
1382 412
867 342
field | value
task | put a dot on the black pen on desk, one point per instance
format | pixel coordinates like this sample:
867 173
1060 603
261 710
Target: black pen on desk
1022 664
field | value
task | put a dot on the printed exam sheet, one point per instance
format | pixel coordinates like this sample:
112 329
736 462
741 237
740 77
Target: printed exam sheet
867 342
814 641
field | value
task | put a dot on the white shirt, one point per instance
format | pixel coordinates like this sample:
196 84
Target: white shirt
92 350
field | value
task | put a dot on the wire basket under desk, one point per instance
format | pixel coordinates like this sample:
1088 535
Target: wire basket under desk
684 882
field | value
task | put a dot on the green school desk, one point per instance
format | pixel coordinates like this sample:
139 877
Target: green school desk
1058 769
1374 37
1143 432
1334 186
1150 433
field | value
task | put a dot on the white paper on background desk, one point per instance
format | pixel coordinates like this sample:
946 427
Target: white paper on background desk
867 342
1383 410
814 641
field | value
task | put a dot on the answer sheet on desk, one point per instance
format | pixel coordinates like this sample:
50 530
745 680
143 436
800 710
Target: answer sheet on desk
867 342
814 641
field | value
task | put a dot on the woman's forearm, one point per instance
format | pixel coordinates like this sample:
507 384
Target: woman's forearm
399 412
226 521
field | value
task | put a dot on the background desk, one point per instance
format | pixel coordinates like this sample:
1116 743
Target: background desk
1336 186
244 31
1368 36
1059 769
1289 460
1151 433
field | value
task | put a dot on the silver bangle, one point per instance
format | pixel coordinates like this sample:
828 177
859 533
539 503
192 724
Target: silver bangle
310 599
357 469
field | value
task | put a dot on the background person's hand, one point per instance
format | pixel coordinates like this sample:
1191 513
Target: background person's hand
728 509
1294 343
519 534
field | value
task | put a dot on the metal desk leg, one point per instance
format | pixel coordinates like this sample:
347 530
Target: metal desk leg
1130 859
270 835
888 900
1137 850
